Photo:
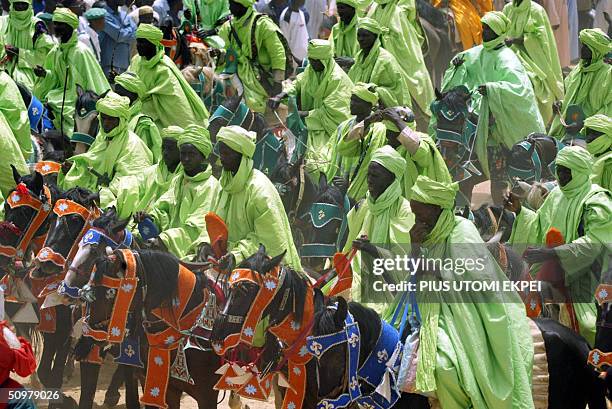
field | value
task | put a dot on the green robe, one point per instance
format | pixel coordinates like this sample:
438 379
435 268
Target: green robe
84 70
326 96
473 354
510 97
591 205
590 87
538 53
169 99
381 68
602 171
270 54
343 38
254 213
124 155
15 112
143 126
402 41
179 212
209 11
30 54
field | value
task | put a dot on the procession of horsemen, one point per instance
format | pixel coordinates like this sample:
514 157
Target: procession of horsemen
320 204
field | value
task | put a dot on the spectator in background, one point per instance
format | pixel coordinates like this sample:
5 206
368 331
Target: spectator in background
316 9
143 13
97 21
273 9
168 10
293 25
115 40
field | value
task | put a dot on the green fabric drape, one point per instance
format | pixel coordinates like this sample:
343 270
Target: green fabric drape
143 126
209 12
16 114
343 38
270 54
565 209
402 41
538 53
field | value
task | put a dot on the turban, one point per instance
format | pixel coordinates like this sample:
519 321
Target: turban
603 143
246 3
132 83
64 15
95 13
320 50
371 25
238 138
576 158
114 105
197 136
497 21
426 190
390 159
597 41
149 32
173 132
366 92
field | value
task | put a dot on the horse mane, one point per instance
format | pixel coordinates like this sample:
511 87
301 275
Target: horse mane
456 99
87 99
105 219
80 195
232 103
332 194
431 14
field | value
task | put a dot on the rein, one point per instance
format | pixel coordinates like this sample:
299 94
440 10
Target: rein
42 206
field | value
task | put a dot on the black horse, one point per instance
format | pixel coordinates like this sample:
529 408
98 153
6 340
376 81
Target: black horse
532 160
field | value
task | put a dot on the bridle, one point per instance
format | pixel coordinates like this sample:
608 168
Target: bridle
319 215
22 197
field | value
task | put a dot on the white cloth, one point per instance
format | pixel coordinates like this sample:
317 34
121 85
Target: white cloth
315 9
295 32
135 15
603 6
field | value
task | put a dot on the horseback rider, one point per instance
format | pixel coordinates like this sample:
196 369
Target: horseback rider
179 212
323 90
582 213
168 97
598 130
343 36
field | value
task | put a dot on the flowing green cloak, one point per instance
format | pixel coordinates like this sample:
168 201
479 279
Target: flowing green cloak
402 41
326 95
30 53
538 52
15 113
343 38
591 205
83 69
210 11
381 68
472 354
179 212
510 97
169 99
11 155
254 213
270 54
602 171
143 126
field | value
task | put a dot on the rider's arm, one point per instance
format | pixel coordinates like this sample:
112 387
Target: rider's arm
267 37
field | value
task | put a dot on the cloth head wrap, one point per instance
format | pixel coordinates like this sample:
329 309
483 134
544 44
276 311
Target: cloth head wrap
603 143
576 158
131 82
366 92
197 136
320 50
150 33
497 21
426 190
64 15
173 132
597 41
246 3
371 25
95 13
114 105
390 159
239 139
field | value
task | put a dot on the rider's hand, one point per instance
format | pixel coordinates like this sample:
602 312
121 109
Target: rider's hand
206 33
557 107
391 114
11 50
40 72
222 20
227 262
66 166
458 60
363 243
187 13
512 203
482 89
345 62
535 255
374 117
275 101
141 216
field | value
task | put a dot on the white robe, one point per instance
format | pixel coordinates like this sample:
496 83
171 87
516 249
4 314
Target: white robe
295 32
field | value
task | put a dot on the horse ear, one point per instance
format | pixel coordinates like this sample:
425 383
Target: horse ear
80 91
466 212
277 260
439 95
94 197
16 175
119 225
37 184
340 314
322 182
261 251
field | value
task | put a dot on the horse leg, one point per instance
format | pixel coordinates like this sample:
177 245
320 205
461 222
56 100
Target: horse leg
202 366
46 359
62 342
89 384
131 387
111 398
173 397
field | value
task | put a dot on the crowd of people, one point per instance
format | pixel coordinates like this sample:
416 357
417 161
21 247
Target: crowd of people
357 72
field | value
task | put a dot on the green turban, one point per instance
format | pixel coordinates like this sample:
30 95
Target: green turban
173 132
114 105
239 139
197 136
320 50
64 15
366 92
371 25
131 82
603 143
497 21
597 41
151 33
576 158
246 3
390 159
95 13
426 190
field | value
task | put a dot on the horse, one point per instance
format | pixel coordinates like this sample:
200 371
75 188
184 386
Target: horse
601 355
86 116
572 384
165 300
288 300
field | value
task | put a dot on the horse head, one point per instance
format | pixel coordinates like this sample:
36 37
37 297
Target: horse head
72 215
493 220
86 115
223 115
